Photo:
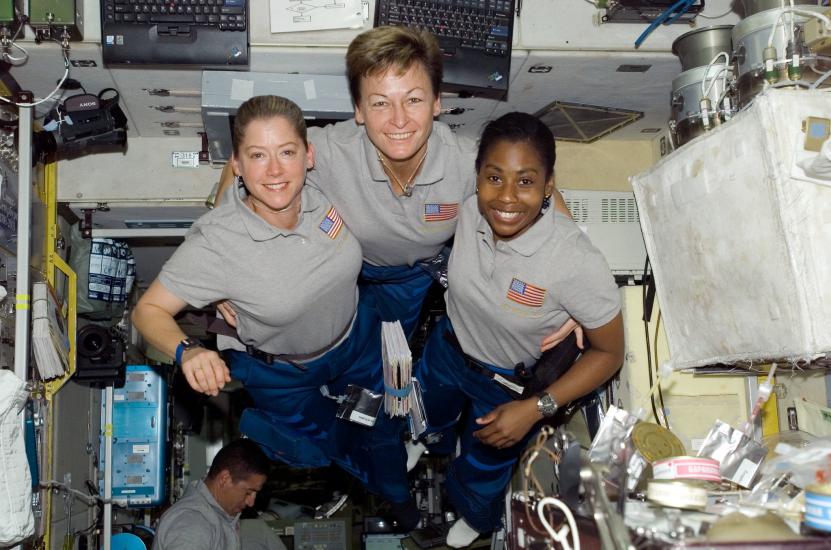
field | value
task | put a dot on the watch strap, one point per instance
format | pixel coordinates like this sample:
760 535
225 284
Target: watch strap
184 345
180 349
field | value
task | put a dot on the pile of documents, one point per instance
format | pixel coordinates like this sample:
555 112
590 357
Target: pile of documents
50 338
402 392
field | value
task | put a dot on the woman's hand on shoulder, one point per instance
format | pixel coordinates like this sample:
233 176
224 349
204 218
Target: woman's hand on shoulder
508 423
227 311
205 371
556 337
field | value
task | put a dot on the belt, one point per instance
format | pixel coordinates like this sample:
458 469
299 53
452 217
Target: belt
513 384
219 326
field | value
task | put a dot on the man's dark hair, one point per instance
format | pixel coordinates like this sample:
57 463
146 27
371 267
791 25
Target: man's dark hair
242 458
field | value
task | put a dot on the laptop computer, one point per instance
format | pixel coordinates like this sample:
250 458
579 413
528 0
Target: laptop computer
474 35
181 32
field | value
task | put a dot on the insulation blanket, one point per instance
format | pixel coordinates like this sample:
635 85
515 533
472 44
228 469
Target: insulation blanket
15 480
739 237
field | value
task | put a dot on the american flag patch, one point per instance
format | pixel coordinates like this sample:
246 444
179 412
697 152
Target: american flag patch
526 294
332 223
440 212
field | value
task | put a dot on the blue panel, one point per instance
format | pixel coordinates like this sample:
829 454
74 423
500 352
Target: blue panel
818 130
139 438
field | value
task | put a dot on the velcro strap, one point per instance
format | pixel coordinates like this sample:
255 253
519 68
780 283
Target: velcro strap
403 392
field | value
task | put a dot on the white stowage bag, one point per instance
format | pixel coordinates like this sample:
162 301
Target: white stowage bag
15 480
740 239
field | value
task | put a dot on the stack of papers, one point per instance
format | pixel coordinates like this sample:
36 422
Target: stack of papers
50 339
398 369
402 392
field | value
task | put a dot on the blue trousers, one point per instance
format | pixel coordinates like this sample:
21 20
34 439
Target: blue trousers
397 292
295 423
477 478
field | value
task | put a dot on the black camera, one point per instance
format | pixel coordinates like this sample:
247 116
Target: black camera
102 356
81 123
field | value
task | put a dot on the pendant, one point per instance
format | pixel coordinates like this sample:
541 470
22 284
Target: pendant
408 192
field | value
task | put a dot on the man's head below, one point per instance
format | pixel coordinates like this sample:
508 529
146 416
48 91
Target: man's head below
237 474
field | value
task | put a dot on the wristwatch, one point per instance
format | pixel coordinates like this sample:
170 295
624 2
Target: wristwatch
546 404
185 345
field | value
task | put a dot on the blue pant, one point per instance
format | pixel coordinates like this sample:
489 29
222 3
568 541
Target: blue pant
397 292
477 478
296 423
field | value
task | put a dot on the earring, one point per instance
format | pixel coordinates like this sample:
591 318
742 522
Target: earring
546 203
239 181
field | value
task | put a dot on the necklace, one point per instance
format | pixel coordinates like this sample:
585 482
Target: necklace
406 190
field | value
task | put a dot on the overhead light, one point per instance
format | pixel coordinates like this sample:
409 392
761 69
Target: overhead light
650 130
584 123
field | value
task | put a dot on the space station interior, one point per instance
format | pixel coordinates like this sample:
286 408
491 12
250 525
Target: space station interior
692 153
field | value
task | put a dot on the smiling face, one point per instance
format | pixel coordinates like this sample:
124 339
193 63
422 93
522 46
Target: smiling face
272 160
511 185
398 110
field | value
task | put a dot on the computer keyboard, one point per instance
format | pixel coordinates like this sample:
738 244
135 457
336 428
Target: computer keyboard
227 15
483 25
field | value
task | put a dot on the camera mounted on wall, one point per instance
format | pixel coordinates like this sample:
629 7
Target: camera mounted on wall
81 124
102 356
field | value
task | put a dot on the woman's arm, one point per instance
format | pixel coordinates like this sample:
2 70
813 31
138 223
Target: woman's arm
225 181
153 316
571 325
507 424
560 203
558 336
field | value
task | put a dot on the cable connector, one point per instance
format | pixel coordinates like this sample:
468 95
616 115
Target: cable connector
766 387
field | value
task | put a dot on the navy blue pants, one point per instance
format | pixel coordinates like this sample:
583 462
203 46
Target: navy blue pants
294 422
477 478
397 292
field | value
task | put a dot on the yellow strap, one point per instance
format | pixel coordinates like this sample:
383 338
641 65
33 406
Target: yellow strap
770 414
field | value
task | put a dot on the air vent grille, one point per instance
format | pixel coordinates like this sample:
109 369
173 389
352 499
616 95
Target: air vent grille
619 210
579 209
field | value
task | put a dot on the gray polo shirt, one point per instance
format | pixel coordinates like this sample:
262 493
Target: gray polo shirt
503 298
197 522
255 534
394 230
294 291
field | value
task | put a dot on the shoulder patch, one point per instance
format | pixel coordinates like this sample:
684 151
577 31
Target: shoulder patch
332 223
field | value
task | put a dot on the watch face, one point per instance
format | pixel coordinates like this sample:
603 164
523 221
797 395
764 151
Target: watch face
189 343
546 404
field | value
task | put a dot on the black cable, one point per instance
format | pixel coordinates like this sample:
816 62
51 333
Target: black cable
658 372
646 279
98 510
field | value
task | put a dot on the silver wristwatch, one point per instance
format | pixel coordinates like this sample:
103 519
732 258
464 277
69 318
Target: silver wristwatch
546 404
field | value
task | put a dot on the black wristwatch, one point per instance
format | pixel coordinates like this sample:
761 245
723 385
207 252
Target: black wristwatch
546 404
185 345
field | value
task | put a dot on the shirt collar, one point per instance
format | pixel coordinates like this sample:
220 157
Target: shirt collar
203 490
261 230
431 171
529 242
